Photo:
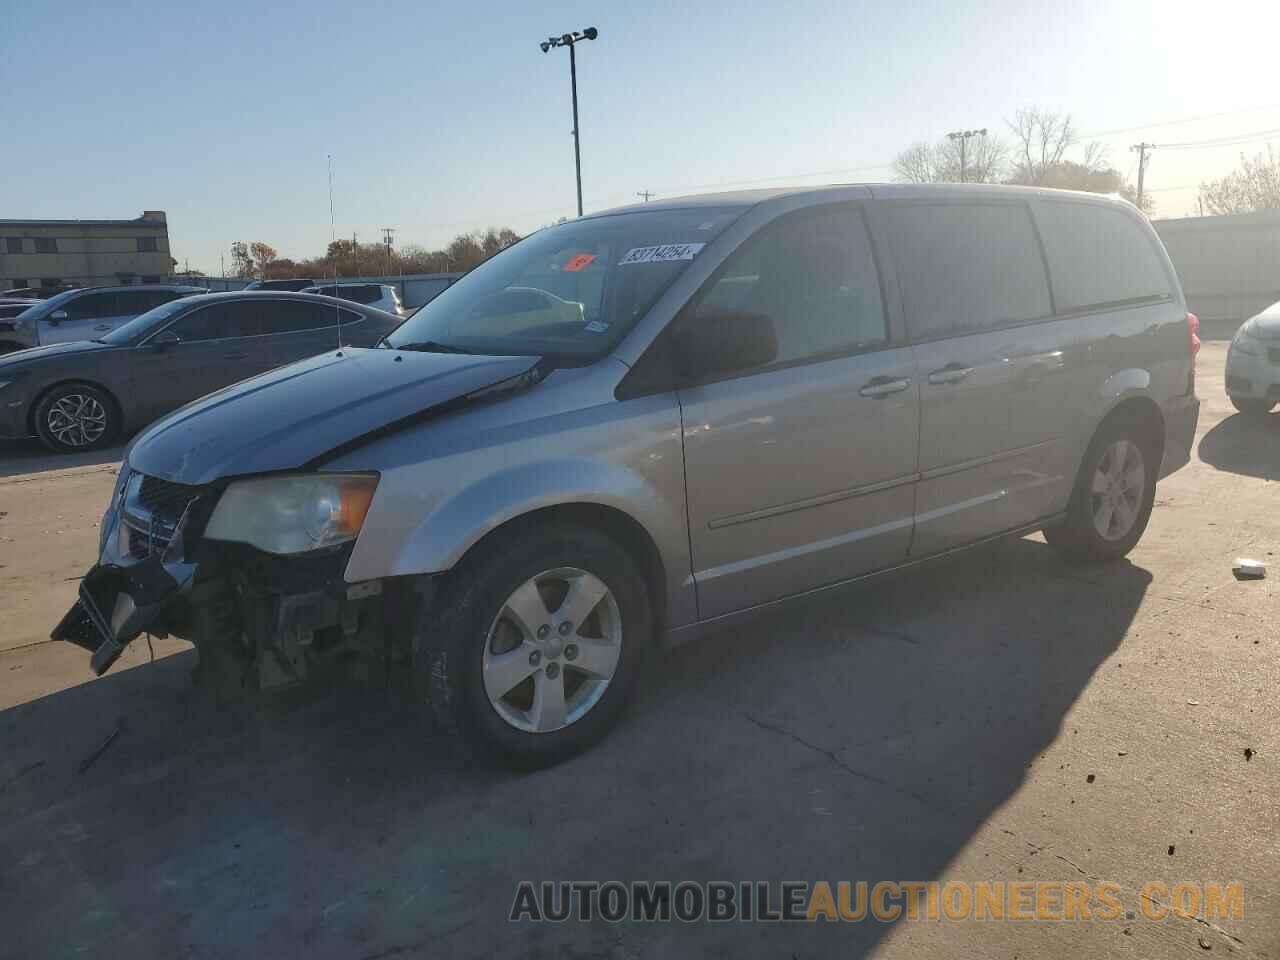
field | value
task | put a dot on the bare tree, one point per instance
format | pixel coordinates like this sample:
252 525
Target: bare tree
241 262
1041 137
922 162
1255 185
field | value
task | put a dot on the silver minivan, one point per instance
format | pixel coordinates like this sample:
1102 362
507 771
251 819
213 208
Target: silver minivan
639 425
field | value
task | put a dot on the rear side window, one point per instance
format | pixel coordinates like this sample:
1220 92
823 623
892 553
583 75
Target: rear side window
365 294
814 275
291 316
134 302
93 306
965 268
1099 256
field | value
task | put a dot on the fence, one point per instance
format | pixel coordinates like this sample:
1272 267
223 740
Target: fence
1229 266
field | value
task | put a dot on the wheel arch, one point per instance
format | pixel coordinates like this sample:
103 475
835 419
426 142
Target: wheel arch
624 529
1144 413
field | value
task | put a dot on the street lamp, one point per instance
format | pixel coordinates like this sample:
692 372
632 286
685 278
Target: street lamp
570 40
963 136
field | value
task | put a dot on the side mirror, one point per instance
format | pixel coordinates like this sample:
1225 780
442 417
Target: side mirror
163 341
721 343
57 317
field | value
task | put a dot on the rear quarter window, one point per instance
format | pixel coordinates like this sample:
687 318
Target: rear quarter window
1099 256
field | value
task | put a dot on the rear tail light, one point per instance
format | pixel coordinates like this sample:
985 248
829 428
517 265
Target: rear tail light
1193 335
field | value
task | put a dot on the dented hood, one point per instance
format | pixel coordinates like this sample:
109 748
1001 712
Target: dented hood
298 414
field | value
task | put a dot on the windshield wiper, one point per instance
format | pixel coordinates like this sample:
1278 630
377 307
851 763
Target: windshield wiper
429 346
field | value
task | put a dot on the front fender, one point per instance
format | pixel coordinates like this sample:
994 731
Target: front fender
460 522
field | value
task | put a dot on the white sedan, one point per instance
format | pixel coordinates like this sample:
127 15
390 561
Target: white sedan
1253 364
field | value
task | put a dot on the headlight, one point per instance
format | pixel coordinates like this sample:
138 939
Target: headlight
293 514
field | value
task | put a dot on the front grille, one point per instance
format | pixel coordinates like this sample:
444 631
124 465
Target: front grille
164 499
152 509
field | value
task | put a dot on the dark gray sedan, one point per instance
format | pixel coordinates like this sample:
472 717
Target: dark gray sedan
82 395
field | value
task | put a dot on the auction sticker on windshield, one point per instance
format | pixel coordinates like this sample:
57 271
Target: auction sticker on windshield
661 253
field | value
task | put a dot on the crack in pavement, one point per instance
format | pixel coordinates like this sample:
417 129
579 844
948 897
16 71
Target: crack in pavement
831 755
1200 920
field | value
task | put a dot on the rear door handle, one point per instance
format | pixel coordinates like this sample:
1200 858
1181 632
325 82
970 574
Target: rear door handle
884 386
951 373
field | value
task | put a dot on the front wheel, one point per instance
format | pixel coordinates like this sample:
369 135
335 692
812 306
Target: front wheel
76 417
1113 496
538 642
1251 407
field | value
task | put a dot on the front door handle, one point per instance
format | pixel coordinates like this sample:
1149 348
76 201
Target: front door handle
951 373
884 386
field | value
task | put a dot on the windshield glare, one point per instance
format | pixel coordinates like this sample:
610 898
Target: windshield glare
144 323
570 291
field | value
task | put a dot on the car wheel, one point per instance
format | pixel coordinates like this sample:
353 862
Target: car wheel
76 417
1252 408
1113 495
539 640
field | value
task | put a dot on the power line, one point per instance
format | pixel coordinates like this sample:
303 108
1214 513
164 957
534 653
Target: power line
1174 123
1227 141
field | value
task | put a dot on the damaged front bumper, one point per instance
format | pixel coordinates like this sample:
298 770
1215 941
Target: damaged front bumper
142 568
265 621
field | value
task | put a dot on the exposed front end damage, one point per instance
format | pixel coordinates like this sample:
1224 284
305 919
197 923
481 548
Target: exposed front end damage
258 621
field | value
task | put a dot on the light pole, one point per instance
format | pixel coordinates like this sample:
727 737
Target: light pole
963 136
388 234
570 40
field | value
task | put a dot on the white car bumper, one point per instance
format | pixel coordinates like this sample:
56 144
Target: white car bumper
1254 377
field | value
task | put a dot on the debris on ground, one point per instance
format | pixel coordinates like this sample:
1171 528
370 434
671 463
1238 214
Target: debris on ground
1246 569
1089 779
1204 944
1194 703
1171 849
1248 754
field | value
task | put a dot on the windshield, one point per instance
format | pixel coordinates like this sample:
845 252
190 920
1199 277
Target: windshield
570 291
143 324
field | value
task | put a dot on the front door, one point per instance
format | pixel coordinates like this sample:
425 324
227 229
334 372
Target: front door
976 299
87 317
801 473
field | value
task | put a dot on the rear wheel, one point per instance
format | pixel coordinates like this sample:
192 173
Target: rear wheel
75 417
538 643
1113 496
1251 407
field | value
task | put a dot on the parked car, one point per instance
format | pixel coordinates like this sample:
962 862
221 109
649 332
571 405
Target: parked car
86 313
38 293
83 395
380 295
294 285
1253 364
764 395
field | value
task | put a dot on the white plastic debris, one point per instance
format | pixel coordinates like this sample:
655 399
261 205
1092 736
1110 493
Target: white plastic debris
1246 569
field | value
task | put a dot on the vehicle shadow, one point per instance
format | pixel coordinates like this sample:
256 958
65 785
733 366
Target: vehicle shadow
21 457
863 736
1245 445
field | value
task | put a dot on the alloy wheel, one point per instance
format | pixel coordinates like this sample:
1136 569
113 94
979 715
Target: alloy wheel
1119 484
552 650
77 419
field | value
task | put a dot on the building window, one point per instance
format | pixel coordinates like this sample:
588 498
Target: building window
46 245
13 244
146 244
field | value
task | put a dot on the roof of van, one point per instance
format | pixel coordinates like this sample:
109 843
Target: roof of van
750 198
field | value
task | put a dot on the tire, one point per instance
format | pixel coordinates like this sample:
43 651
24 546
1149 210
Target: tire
480 645
1080 536
1252 408
76 417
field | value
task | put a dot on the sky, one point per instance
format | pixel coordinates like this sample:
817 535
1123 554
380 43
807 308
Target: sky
444 118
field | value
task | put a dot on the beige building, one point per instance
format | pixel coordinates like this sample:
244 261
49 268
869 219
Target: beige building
84 252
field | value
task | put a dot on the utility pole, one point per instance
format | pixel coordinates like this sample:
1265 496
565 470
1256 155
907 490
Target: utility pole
570 40
645 194
1142 149
388 234
963 136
